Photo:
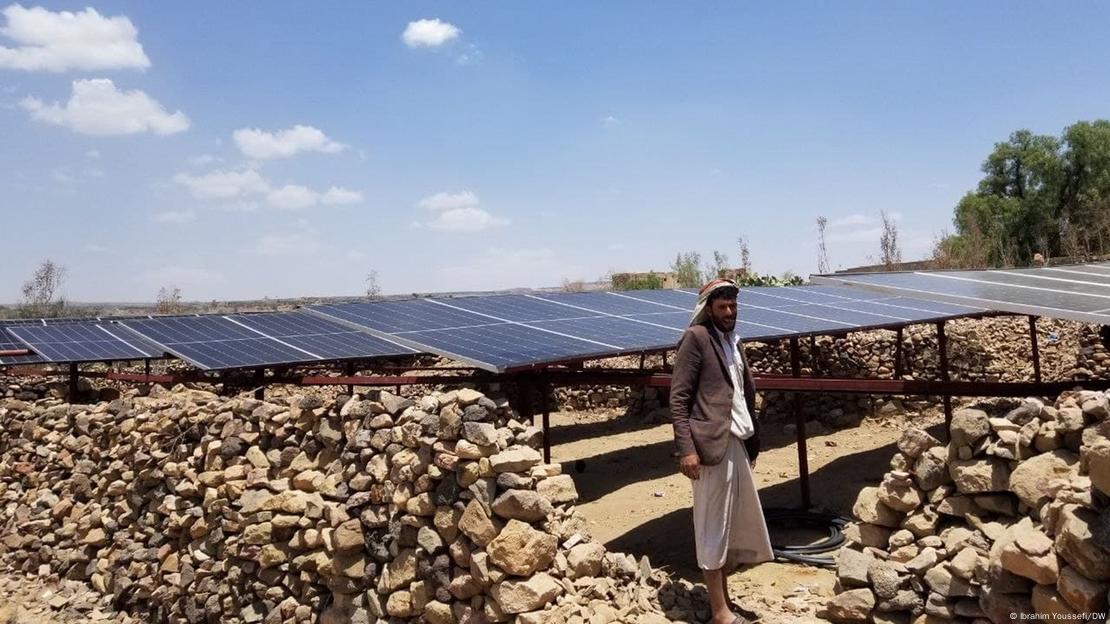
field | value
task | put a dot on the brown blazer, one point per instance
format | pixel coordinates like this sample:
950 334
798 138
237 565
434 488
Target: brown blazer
701 397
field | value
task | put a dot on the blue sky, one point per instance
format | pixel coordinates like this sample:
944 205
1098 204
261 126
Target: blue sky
237 152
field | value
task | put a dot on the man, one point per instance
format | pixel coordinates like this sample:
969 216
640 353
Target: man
713 409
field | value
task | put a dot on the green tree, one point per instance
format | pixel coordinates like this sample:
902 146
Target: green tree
687 269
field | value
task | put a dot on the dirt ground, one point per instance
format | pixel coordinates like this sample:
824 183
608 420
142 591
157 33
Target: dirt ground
637 502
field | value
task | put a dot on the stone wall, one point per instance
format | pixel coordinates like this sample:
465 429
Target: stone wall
184 506
1009 520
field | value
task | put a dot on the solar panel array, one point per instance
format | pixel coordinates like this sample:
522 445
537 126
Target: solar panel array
508 332
1076 292
256 340
84 342
498 333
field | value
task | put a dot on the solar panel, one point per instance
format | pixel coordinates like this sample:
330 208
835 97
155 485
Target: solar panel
319 336
9 342
1076 292
84 342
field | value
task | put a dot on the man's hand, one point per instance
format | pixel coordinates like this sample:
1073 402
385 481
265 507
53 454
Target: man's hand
690 466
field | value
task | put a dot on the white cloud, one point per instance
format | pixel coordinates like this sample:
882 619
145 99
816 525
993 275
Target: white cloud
458 212
445 201
429 33
246 185
293 197
508 268
98 108
287 245
175 217
465 220
224 184
611 121
297 197
337 196
205 159
92 154
263 145
96 249
57 42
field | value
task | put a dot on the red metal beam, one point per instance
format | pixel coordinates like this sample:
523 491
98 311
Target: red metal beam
15 352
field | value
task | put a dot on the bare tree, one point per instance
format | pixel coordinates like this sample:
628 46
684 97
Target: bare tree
745 255
575 286
719 268
373 289
822 251
40 293
169 300
888 241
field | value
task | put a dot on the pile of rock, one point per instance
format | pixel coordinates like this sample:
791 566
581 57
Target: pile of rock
1009 518
185 506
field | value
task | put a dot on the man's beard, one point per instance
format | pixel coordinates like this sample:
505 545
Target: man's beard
725 325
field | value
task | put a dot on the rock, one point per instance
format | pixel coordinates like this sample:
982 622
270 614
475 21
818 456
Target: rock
944 583
870 509
852 567
584 560
1030 555
1097 459
348 536
516 459
477 525
1081 593
915 441
1075 545
966 565
521 550
1047 601
884 579
899 496
520 596
559 489
522 505
480 433
931 469
868 534
980 475
1029 481
968 427
854 605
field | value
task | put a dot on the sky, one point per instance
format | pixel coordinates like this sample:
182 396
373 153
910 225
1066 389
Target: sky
237 152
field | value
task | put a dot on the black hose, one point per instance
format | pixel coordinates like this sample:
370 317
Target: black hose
806 553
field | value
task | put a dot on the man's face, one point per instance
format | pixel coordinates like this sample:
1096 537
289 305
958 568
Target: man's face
722 311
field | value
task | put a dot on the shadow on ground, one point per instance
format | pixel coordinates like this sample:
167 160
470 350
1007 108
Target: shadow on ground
668 541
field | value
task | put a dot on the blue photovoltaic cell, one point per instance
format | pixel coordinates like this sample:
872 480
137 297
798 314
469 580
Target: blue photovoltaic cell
403 316
505 346
673 298
1080 296
623 334
605 303
212 342
517 308
84 342
11 343
327 339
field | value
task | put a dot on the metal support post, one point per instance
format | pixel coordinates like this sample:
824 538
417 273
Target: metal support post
898 354
800 426
942 346
545 410
1036 348
74 386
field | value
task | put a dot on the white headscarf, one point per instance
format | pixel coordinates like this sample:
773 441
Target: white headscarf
701 311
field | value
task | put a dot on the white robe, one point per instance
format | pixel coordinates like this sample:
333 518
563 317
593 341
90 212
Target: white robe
729 528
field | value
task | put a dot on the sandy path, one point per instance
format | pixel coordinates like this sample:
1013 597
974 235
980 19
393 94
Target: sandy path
637 502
